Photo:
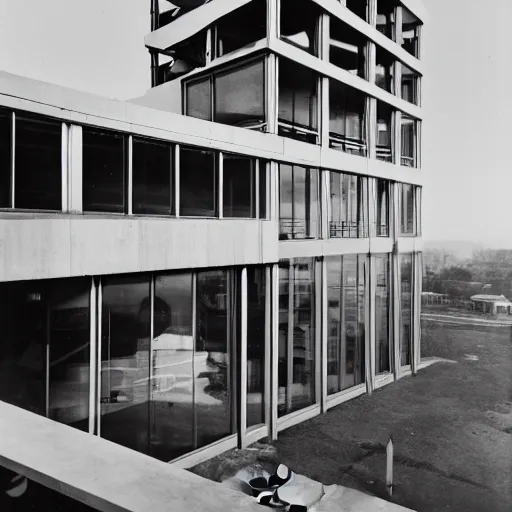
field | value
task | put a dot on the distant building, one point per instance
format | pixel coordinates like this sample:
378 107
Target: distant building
492 304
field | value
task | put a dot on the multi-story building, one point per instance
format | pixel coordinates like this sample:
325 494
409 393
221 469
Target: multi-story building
231 254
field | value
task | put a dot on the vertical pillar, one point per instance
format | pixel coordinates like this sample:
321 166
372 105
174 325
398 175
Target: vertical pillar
130 176
13 158
275 352
269 354
177 180
242 440
370 338
272 65
75 166
372 12
324 334
98 361
319 324
325 204
289 341
397 138
396 311
274 191
220 195
65 167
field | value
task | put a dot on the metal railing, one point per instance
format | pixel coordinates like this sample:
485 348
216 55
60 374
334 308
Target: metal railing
348 229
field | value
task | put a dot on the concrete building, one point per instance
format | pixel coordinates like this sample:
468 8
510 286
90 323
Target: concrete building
233 253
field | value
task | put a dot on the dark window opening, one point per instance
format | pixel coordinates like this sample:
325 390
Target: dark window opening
383 342
38 163
298 102
384 133
241 28
409 85
382 208
347 48
153 177
5 158
299 24
347 120
349 206
198 183
406 329
239 186
299 205
386 17
104 172
410 32
384 70
407 209
359 7
408 135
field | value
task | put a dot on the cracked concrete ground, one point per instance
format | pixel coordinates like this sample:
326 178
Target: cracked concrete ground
451 426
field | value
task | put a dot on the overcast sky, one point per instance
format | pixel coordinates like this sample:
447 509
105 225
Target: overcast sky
97 46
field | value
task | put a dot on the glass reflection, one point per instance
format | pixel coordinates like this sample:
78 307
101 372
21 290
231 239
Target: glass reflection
384 137
296 367
405 308
382 293
239 187
382 208
5 158
198 99
408 135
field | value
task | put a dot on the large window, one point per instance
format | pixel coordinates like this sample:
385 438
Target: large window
299 202
241 28
45 348
237 96
347 48
296 367
407 209
5 158
384 132
383 209
299 24
349 206
409 138
384 70
298 102
347 120
410 32
104 171
406 324
383 347
38 163
153 177
386 17
198 183
345 322
256 290
410 81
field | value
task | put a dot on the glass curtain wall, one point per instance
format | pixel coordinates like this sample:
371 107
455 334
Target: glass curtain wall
349 206
383 345
383 207
345 322
299 202
406 324
45 348
296 364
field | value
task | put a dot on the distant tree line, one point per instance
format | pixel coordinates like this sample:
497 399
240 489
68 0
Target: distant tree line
486 271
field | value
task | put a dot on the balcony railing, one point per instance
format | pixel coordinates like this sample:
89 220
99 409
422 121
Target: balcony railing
347 144
384 153
348 229
408 161
290 229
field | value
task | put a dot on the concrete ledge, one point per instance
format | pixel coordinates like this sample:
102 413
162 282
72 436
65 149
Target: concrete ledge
104 475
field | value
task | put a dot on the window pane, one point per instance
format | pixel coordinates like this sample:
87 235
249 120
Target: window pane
285 319
241 28
384 69
384 138
152 177
407 210
38 174
198 99
125 351
103 171
46 321
256 324
347 47
386 17
410 32
297 98
409 85
198 183
382 208
5 158
217 311
299 208
406 327
297 347
334 323
263 189
298 25
349 206
347 131
172 357
240 96
408 133
382 290
239 187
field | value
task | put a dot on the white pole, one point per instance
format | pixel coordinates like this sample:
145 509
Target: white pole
389 466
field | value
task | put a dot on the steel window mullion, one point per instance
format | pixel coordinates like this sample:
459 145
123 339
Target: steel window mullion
289 342
98 362
243 359
13 158
274 355
93 311
130 174
177 180
194 337
257 188
220 185
269 379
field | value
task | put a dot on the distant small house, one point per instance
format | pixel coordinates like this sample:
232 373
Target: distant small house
492 304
